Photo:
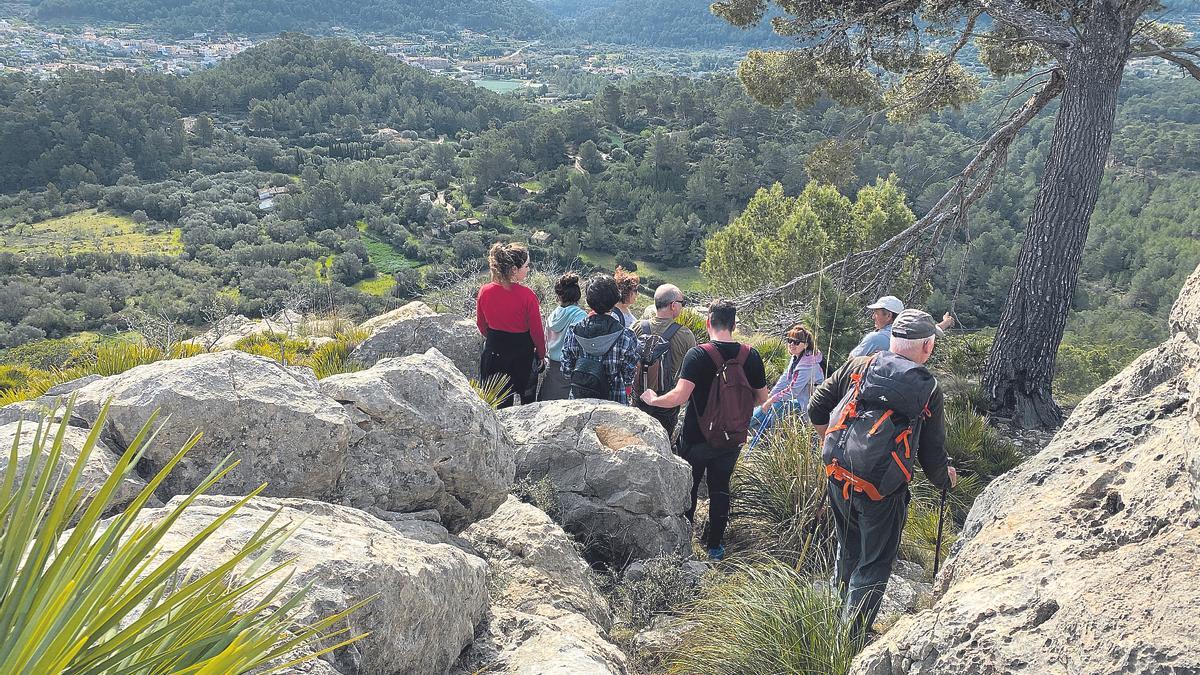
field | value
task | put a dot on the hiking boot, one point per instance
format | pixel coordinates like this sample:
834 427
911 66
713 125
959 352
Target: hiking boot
717 553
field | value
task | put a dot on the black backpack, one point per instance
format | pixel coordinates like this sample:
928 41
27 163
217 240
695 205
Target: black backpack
589 379
656 367
869 444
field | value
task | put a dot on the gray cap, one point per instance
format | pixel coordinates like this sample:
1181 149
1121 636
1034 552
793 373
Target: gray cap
913 324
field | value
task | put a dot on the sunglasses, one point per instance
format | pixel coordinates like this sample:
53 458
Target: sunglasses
791 341
682 303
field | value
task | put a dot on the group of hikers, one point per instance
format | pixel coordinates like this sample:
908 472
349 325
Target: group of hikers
875 416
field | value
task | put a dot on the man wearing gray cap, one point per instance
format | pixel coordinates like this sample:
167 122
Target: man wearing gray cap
883 312
887 410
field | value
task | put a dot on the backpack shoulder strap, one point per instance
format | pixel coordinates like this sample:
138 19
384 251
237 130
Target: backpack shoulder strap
714 354
670 332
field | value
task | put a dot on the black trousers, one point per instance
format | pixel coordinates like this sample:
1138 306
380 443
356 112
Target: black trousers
868 535
509 353
717 466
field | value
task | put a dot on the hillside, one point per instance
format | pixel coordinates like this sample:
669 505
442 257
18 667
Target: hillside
661 23
516 17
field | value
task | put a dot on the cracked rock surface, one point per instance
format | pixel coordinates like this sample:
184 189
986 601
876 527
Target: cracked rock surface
1083 559
272 418
428 441
623 491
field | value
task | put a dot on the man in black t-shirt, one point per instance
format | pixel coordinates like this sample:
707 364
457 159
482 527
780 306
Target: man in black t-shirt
695 381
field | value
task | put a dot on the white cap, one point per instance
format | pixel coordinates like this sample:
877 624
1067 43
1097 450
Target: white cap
889 302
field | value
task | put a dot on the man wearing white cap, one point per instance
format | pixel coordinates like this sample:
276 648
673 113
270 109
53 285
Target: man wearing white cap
883 312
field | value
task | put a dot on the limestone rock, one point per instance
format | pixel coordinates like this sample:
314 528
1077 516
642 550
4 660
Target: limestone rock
414 329
1083 558
234 328
430 596
904 590
23 411
535 563
283 430
430 442
98 467
665 636
547 642
623 491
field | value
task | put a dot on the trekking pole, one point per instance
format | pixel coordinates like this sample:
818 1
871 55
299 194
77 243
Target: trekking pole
937 550
766 422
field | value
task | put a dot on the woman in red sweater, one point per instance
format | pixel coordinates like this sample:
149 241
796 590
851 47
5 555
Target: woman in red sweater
510 318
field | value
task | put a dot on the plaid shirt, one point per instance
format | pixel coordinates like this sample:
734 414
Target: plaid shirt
620 362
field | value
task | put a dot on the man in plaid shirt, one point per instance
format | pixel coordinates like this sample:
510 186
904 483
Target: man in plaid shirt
600 335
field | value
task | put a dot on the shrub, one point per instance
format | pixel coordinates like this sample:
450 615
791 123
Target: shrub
774 353
542 493
103 599
277 346
779 491
766 618
663 585
117 357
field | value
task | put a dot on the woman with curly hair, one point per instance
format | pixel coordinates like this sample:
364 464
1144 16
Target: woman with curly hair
628 284
510 318
555 385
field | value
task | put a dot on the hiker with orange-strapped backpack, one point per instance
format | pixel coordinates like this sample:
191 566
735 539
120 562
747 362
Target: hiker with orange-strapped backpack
722 381
878 415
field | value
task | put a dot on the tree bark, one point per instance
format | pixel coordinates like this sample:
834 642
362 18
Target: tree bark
1020 367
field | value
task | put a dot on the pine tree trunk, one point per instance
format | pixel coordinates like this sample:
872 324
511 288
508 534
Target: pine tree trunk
1020 367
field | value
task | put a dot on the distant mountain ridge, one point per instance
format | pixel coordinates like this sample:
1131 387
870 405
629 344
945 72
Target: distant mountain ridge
667 23
517 17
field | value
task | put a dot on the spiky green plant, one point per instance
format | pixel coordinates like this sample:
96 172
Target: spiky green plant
765 618
779 494
333 358
101 597
113 358
693 321
774 353
919 540
493 390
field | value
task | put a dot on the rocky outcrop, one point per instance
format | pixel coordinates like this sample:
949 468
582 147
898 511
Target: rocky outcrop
100 463
1083 558
414 329
546 614
535 563
273 419
429 597
429 442
623 491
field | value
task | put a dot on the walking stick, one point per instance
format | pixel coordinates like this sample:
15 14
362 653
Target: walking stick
761 428
937 550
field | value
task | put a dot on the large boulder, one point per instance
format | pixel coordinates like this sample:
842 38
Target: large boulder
100 463
273 419
534 562
1083 558
623 492
430 442
430 597
414 329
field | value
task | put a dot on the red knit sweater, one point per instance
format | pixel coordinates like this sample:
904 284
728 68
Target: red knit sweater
513 310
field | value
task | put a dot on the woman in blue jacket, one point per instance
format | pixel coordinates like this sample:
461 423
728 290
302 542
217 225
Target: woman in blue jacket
568 313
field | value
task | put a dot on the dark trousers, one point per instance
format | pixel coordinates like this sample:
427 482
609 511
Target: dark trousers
511 354
868 535
717 466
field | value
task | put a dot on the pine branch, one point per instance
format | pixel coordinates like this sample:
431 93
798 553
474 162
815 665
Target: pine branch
1054 35
865 270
